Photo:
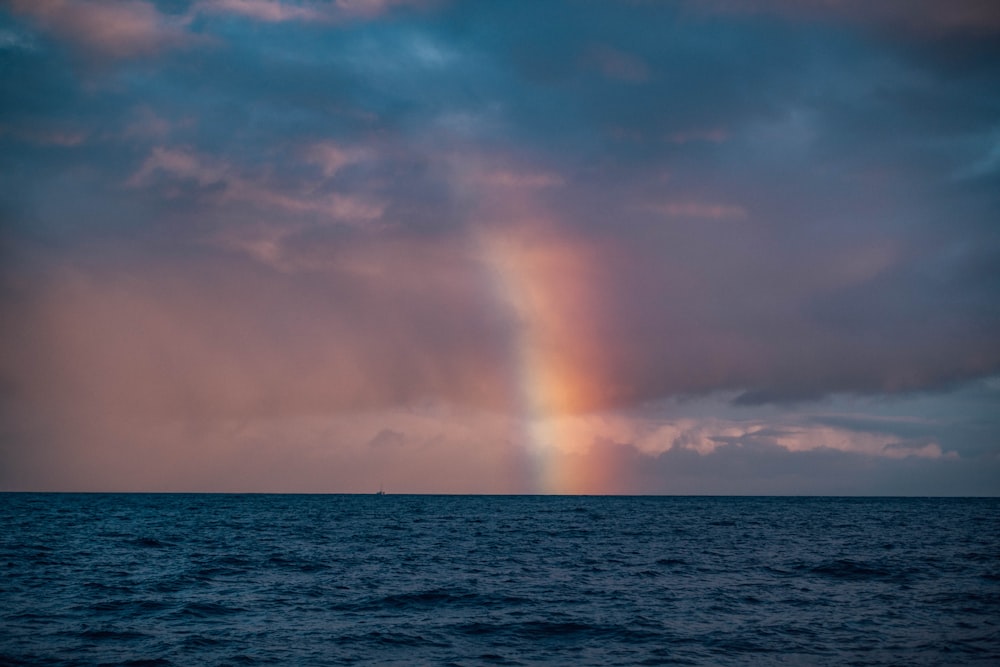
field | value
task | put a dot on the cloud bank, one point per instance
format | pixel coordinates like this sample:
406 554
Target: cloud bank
635 247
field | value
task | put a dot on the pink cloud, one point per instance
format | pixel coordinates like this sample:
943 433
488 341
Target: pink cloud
501 184
137 28
152 340
706 435
133 377
167 166
332 157
372 8
530 179
279 11
181 162
116 29
271 11
700 209
217 373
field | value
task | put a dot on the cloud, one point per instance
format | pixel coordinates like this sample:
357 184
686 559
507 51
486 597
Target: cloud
46 136
776 471
146 124
319 454
151 340
436 446
713 135
15 40
331 157
387 438
549 221
221 181
619 65
139 28
500 177
115 29
704 210
272 11
922 16
705 436
278 11
373 8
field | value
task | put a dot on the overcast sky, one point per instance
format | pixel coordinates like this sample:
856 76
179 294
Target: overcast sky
693 247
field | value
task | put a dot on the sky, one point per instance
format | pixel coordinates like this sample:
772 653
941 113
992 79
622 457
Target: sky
443 246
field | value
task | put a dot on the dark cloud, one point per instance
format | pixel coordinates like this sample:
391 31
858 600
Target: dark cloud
776 471
920 18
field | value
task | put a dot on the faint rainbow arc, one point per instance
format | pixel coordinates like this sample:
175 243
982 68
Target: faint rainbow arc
516 262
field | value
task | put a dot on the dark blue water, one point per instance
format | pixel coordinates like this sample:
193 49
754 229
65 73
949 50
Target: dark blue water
467 580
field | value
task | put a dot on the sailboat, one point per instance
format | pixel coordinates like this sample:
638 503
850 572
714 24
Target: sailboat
380 491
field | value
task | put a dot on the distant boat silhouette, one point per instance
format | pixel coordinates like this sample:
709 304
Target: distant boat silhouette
380 491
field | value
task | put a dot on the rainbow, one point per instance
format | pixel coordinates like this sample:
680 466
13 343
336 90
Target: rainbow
543 278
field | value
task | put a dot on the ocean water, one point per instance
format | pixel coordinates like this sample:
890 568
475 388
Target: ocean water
481 580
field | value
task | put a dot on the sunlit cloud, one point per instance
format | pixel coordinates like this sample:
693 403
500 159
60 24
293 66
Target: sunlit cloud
117 29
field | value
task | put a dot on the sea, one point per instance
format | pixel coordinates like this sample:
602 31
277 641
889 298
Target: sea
178 579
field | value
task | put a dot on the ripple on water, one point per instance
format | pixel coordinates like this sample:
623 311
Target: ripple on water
248 580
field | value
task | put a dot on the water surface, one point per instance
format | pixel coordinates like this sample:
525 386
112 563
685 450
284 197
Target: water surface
480 580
